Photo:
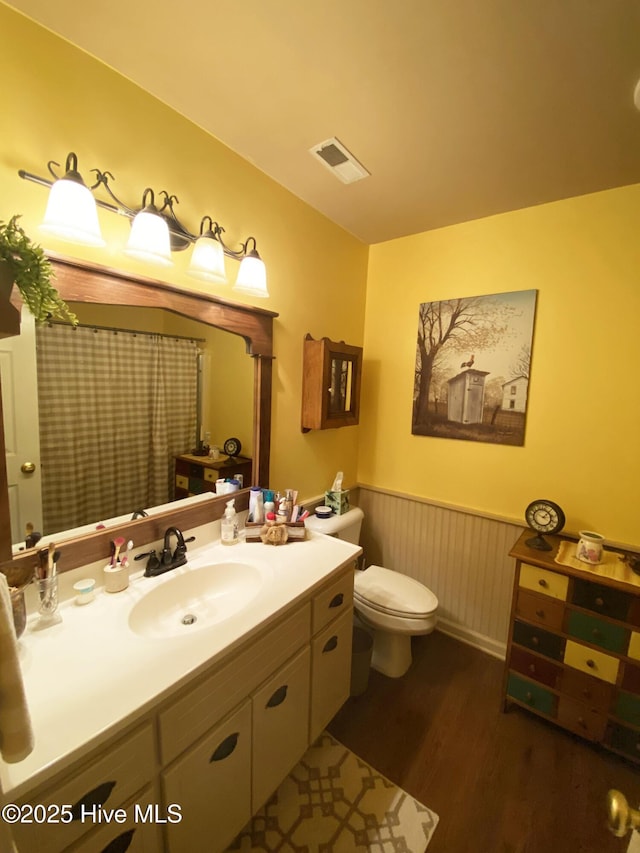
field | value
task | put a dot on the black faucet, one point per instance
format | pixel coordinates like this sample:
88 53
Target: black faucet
168 559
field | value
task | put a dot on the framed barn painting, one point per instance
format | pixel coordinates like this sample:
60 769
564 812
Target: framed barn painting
473 363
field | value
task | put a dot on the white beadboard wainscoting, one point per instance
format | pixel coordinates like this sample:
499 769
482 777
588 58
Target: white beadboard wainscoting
462 556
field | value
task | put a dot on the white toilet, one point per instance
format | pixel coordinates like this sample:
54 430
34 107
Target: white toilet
395 606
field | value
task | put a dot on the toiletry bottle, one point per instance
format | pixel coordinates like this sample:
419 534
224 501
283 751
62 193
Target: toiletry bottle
229 525
256 505
269 504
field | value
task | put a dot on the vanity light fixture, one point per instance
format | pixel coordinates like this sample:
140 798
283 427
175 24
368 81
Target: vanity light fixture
71 210
156 231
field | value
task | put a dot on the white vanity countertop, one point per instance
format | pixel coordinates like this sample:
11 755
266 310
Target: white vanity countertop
90 675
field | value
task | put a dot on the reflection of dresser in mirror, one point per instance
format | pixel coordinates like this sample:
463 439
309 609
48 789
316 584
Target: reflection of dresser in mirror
197 474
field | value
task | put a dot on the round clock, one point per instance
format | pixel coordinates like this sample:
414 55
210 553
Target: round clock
232 447
543 516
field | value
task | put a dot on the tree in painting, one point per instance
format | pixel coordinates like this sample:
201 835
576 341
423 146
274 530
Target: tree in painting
465 341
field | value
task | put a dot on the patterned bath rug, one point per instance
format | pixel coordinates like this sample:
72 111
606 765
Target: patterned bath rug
333 802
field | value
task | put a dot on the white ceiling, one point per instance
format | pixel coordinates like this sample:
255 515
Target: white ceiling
459 109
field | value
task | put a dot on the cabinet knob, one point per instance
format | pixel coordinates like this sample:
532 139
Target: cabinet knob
532 668
540 614
582 723
535 641
599 602
337 600
591 664
543 583
529 698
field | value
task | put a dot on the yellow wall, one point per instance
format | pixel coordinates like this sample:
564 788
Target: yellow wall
58 99
581 441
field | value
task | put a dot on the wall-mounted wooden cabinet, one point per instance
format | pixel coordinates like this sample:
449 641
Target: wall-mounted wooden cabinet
330 384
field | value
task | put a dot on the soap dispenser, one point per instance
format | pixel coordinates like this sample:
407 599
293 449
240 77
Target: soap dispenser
229 528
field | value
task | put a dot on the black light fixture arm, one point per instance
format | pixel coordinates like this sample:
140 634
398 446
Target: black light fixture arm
181 237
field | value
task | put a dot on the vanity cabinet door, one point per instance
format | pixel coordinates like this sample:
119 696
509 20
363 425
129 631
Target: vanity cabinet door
105 780
330 671
212 785
280 726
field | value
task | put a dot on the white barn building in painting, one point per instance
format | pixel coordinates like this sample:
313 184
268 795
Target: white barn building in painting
514 394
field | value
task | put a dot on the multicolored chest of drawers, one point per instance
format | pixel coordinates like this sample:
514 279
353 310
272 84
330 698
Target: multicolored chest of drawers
573 655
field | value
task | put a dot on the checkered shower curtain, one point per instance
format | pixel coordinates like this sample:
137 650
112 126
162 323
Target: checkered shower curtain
115 407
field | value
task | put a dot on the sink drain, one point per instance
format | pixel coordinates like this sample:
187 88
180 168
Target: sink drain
189 619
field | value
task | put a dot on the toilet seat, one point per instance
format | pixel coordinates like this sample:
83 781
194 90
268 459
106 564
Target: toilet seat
394 594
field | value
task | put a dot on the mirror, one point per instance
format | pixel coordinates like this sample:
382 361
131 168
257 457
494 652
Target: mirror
112 442
91 285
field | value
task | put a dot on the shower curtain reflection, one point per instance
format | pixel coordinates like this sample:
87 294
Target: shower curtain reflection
115 407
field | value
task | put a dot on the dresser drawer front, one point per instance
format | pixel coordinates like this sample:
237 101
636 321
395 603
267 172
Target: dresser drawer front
631 678
593 630
625 740
211 475
628 708
634 645
581 719
531 694
601 599
591 661
539 669
541 609
587 689
539 640
544 581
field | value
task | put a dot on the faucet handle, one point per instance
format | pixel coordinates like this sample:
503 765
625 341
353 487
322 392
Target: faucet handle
153 563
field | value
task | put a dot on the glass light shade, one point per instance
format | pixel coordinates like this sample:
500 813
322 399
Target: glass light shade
149 239
207 261
252 277
71 214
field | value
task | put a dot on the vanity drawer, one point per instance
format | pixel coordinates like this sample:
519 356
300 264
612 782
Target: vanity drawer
531 694
581 719
107 779
601 599
215 695
542 609
135 835
333 601
587 689
592 662
212 783
537 668
544 581
541 641
591 629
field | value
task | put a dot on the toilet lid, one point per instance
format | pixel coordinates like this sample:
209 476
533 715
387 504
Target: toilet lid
391 592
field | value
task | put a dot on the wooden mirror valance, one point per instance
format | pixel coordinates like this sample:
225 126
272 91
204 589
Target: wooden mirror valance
77 281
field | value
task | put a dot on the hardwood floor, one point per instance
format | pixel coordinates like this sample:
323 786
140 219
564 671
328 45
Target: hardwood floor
500 782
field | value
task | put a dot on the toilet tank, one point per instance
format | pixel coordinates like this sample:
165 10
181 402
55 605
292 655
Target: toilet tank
346 526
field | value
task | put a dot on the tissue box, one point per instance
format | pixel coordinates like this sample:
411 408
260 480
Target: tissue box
338 501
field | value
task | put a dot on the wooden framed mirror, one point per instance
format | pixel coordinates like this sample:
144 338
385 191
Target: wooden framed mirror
79 282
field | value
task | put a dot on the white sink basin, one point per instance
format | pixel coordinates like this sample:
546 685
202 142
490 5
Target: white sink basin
195 599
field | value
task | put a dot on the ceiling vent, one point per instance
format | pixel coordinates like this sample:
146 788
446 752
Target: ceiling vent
335 157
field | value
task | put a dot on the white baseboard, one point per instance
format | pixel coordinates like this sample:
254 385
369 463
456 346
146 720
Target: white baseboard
471 638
